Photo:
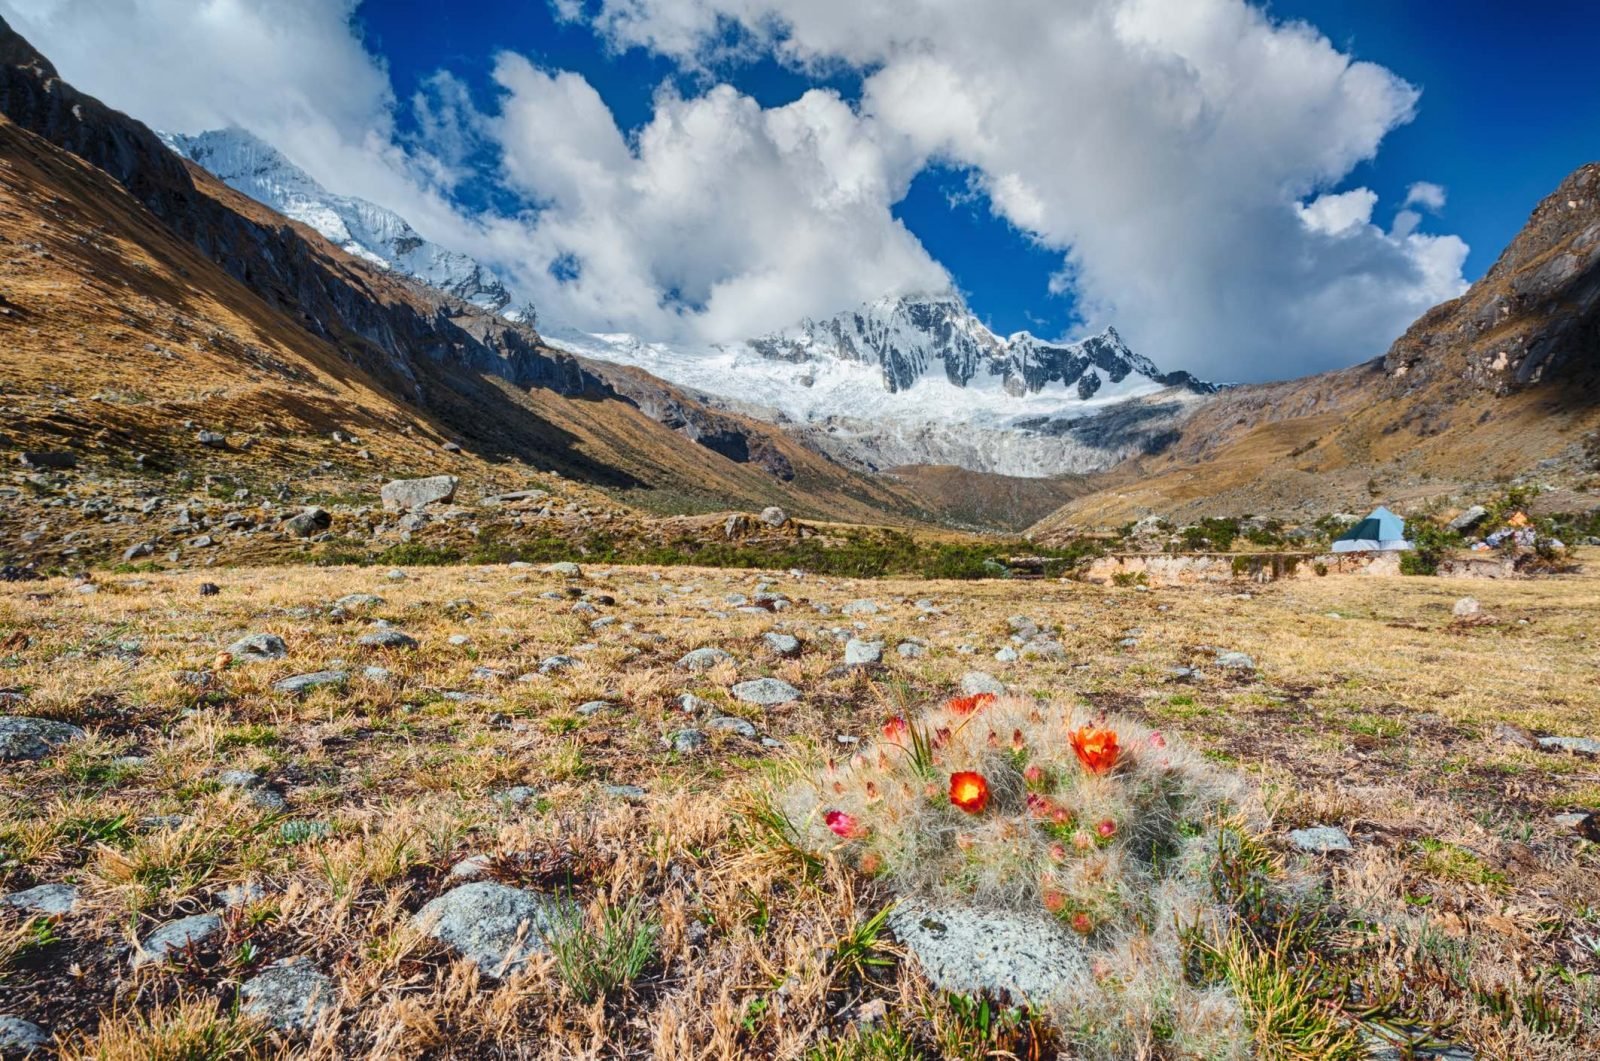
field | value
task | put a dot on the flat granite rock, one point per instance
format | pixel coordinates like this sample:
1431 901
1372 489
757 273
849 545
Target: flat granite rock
23 738
494 925
1028 957
766 692
20 1038
174 936
291 996
51 900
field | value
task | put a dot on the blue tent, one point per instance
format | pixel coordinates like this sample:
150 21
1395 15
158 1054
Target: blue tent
1380 532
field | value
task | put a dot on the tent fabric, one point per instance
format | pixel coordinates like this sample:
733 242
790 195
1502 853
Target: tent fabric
1382 531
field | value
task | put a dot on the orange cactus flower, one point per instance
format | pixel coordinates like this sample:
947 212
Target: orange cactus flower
1096 748
896 729
1082 923
847 826
969 790
966 705
1054 901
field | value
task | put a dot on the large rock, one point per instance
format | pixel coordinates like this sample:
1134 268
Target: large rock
175 936
786 645
406 495
311 521
765 692
1468 519
1026 956
291 996
20 1038
22 737
493 925
258 648
773 516
1467 608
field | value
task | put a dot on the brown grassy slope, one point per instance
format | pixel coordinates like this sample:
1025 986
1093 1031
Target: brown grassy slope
1478 389
985 501
117 331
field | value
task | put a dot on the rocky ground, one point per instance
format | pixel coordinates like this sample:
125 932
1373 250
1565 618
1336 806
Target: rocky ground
509 810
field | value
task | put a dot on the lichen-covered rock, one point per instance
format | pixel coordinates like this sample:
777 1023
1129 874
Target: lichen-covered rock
23 738
407 495
51 900
258 648
1028 957
765 692
291 996
175 936
495 926
703 659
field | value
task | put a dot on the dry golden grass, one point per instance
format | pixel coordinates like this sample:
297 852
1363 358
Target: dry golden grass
1463 897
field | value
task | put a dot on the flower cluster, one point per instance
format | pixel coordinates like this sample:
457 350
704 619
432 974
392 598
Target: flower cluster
1009 803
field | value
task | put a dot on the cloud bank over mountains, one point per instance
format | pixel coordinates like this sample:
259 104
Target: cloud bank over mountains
1186 160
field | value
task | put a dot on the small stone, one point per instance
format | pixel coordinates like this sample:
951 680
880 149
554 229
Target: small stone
212 439
703 659
1235 661
861 607
687 741
396 575
353 601
134 552
245 893
859 653
51 900
387 639
258 648
311 521
516 797
1006 655
911 650
691 704
470 868
1044 648
175 936
785 645
495 926
1320 839
24 738
304 683
767 692
594 707
460 640
375 674
564 568
976 682
630 793
557 664
731 724
1516 736
1466 608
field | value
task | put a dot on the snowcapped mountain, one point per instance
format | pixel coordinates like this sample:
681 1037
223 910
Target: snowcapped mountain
920 380
908 337
366 230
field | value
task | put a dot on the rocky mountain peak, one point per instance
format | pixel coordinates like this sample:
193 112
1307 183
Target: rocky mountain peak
374 233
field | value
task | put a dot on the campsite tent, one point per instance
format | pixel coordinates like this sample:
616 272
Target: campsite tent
1379 532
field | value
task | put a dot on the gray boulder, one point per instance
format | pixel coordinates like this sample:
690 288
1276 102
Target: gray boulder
1028 957
1468 519
687 741
407 495
212 439
1580 745
773 516
1235 661
258 648
861 607
175 936
495 926
703 659
22 737
765 692
311 521
1466 608
387 639
731 724
858 653
291 996
786 645
19 1038
564 568
1320 839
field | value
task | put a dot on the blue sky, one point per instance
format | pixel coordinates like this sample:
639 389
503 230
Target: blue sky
1237 193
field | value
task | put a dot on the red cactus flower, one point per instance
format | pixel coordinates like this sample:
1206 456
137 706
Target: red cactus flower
1107 829
1058 853
871 789
1157 740
1096 748
966 705
896 729
969 790
1038 805
1017 742
845 825
1082 923
1033 775
1054 901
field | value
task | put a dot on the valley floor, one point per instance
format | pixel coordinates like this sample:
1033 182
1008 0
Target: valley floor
537 722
